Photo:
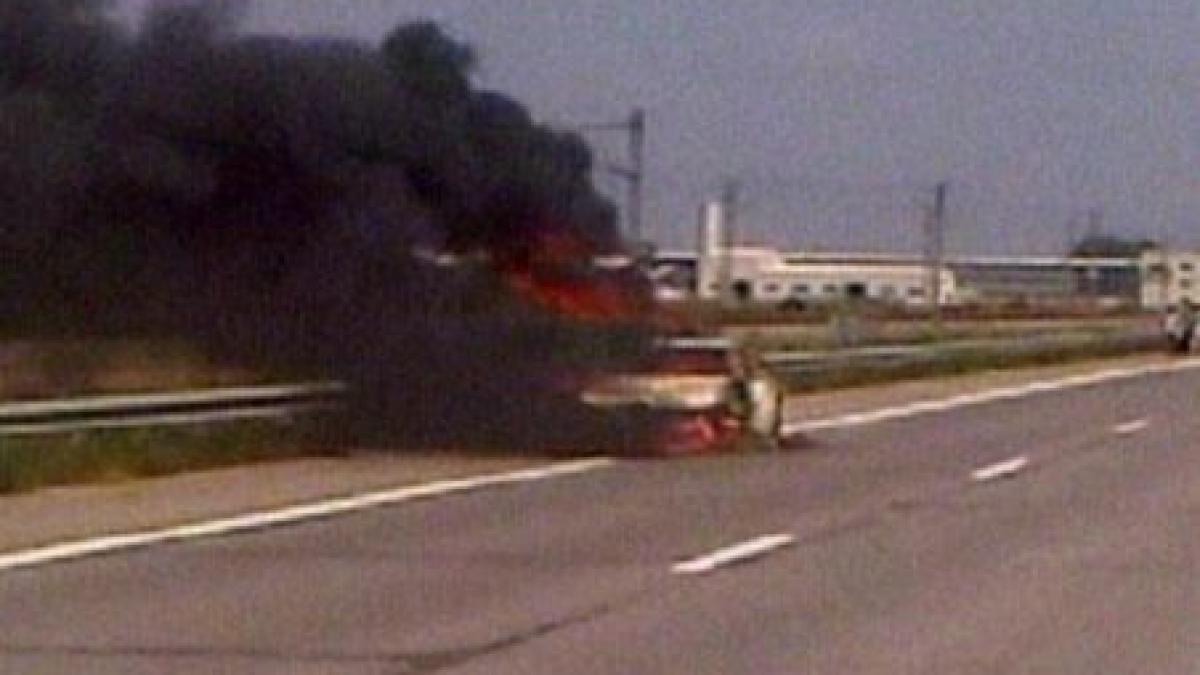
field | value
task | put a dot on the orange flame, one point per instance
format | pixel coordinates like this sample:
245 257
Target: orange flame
555 270
588 300
696 434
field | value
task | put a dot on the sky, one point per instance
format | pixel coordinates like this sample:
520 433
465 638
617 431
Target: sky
836 118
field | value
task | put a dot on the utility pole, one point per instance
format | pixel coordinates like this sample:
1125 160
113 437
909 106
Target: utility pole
1089 285
637 172
1072 238
1095 223
731 195
935 229
633 172
1164 288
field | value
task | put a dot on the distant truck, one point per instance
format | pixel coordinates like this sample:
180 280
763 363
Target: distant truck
1179 325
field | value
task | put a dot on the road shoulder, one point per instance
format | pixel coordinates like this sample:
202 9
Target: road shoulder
60 514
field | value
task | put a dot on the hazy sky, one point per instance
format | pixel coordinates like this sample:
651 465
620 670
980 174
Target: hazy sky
838 116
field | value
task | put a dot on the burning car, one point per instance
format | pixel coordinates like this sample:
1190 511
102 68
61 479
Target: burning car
694 395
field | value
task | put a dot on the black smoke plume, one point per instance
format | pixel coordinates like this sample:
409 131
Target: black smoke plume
325 207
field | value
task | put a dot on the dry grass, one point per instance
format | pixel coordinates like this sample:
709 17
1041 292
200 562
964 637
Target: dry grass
965 361
64 368
855 331
106 456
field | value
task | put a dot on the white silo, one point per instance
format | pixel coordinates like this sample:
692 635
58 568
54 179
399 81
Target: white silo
712 253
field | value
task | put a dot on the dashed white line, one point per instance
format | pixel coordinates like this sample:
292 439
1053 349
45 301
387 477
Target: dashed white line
1005 469
287 516
1131 427
738 553
989 396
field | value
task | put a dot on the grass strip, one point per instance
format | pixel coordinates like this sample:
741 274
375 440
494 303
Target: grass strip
31 462
962 361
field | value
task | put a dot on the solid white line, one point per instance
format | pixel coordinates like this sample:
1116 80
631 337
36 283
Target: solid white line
287 516
1005 469
1131 427
988 396
755 548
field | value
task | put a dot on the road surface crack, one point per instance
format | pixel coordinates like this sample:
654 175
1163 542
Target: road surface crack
184 652
431 662
408 662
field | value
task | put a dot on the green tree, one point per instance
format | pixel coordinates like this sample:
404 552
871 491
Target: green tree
1109 246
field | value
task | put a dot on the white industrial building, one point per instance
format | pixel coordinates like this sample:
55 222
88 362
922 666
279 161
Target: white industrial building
767 275
719 269
1169 277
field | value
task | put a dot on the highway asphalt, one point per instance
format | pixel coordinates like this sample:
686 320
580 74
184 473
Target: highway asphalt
1051 533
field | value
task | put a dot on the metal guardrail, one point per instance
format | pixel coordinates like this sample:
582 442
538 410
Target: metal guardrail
901 356
29 418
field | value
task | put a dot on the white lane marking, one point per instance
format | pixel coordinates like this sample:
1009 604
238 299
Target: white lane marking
738 553
1131 427
287 516
989 396
1005 469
